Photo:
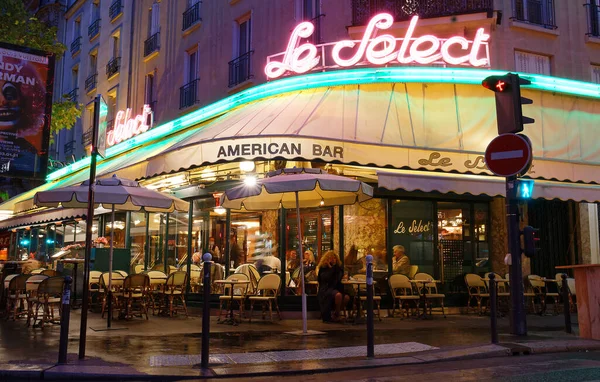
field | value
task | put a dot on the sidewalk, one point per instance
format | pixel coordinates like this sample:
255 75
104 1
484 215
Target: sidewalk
169 348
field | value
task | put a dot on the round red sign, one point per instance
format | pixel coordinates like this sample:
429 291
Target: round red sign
508 155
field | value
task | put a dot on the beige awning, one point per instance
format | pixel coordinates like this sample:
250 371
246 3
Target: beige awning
46 216
483 185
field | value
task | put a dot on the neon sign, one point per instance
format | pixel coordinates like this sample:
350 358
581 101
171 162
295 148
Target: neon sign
377 50
126 127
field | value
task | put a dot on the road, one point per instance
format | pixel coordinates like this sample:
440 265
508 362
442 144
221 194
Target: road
559 367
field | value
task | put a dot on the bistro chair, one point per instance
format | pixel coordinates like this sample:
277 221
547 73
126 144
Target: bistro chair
402 294
175 288
195 275
239 295
477 290
157 283
37 271
253 275
49 294
502 290
172 269
572 294
50 273
363 299
431 292
16 296
122 273
158 267
138 268
414 269
94 286
116 285
540 289
267 291
135 289
31 287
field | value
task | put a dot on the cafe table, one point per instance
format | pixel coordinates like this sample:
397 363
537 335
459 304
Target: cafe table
359 313
232 283
423 294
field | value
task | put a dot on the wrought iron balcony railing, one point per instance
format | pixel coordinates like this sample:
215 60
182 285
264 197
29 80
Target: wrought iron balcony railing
69 148
402 10
86 138
593 18
240 69
191 16
152 44
539 12
90 82
188 94
72 95
115 9
94 29
76 45
113 67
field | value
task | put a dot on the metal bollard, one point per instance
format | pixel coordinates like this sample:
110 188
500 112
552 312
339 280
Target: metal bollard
206 311
370 329
493 308
64 321
566 305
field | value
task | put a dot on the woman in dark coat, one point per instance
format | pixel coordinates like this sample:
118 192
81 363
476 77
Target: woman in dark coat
331 291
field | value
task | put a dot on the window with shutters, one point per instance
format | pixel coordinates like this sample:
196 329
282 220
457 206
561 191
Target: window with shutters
94 25
532 63
188 93
593 17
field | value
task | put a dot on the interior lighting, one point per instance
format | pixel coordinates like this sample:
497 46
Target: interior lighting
322 203
220 210
247 166
208 175
250 180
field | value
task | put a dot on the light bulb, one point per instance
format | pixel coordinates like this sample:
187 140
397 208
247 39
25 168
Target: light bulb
322 202
250 180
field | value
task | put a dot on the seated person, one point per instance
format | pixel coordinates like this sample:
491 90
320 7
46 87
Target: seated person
272 262
292 260
351 262
401 262
331 292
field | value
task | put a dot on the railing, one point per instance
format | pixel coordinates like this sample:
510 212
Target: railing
116 8
69 148
539 12
188 94
240 69
402 10
593 17
316 36
90 82
113 67
191 16
72 95
76 45
86 138
94 29
152 44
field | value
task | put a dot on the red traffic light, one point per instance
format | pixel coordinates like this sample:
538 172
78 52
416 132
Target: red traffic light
496 83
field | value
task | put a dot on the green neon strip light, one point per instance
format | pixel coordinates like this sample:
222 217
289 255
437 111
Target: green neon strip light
336 78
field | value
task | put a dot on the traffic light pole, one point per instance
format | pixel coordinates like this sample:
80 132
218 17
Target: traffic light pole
518 323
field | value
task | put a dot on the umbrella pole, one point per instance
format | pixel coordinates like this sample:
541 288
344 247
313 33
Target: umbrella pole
110 266
304 324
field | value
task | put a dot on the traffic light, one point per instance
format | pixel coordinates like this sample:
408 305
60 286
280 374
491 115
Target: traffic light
509 113
524 188
531 241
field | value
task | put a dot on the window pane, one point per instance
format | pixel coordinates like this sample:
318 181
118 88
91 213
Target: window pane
138 240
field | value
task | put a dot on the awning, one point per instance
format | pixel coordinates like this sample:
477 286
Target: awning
46 216
483 185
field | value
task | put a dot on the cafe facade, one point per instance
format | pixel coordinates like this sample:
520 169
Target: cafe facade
407 115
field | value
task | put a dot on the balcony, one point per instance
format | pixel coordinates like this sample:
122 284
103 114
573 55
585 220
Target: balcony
188 94
240 69
593 18
69 148
86 138
76 46
113 66
152 44
72 95
191 16
94 29
538 12
90 82
116 9
403 10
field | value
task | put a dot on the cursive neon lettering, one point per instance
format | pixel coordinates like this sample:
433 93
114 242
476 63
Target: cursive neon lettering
126 127
377 49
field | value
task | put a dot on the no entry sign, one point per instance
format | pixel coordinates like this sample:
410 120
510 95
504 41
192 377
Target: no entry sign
508 155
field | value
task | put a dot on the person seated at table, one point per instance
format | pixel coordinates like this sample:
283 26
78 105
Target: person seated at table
351 262
401 262
31 264
379 260
292 260
272 262
331 291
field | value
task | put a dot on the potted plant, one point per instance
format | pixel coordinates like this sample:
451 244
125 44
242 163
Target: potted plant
101 241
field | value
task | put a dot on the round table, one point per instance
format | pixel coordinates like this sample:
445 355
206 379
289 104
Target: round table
232 283
423 294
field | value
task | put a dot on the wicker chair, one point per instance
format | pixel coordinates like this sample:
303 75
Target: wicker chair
175 289
16 296
49 294
363 299
477 290
31 287
135 289
239 294
402 294
431 292
50 273
414 269
266 293
116 285
540 289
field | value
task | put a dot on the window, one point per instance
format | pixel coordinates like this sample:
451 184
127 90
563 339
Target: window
240 68
532 63
76 43
116 45
311 11
595 74
90 82
192 14
153 20
593 17
72 95
189 91
540 12
149 90
94 26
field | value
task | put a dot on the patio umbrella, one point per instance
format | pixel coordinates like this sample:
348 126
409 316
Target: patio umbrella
113 193
297 188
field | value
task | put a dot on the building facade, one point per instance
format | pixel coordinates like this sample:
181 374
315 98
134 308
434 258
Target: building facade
415 129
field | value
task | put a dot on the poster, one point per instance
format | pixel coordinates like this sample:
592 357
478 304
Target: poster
25 109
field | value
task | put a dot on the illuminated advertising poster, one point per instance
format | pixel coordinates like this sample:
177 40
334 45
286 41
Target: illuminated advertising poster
25 108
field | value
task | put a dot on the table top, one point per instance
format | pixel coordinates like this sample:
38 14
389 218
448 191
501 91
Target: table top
72 261
425 281
232 282
578 266
36 281
357 282
497 280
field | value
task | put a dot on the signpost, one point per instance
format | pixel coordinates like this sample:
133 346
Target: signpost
508 155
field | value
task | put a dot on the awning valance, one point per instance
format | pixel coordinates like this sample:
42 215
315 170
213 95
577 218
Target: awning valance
483 185
46 216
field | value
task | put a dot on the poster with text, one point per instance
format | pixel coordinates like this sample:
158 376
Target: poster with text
25 108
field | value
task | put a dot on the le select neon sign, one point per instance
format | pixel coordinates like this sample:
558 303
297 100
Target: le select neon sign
377 49
126 126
